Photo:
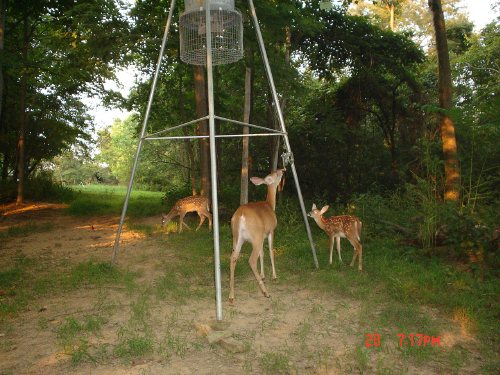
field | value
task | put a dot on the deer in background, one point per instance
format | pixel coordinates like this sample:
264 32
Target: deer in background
253 222
199 204
337 227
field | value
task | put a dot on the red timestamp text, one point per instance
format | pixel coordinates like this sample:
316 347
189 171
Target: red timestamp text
412 339
419 339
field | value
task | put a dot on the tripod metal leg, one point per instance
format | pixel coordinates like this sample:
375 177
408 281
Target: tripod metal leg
143 131
282 124
213 164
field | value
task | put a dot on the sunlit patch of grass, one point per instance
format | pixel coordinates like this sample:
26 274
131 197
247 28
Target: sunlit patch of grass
148 230
106 199
463 319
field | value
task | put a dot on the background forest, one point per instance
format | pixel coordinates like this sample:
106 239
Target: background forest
392 109
358 85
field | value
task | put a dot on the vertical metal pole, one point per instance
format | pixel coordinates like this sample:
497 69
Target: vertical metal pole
141 139
213 161
282 124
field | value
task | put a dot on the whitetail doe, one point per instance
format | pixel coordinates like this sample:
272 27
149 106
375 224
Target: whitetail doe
199 204
253 222
337 227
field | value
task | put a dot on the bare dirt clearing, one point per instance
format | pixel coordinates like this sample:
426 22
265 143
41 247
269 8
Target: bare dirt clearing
154 324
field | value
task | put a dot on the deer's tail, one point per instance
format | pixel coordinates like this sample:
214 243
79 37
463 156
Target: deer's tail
359 226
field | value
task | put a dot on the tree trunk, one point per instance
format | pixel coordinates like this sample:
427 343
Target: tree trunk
200 93
2 35
187 143
22 122
391 11
446 125
3 131
246 118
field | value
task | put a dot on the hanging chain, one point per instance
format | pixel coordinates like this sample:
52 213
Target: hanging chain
287 158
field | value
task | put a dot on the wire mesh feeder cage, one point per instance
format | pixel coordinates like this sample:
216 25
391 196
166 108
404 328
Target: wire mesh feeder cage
226 31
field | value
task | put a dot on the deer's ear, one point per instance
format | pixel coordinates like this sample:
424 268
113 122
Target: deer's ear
324 209
257 180
314 207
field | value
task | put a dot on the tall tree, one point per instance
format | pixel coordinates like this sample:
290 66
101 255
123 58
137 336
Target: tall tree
446 124
54 52
3 4
3 131
23 116
200 93
247 108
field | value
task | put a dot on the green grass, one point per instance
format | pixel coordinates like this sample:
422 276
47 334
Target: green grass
133 347
398 288
399 291
275 362
94 200
26 229
73 336
10 277
26 281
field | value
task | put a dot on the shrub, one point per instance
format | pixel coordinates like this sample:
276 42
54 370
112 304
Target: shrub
40 187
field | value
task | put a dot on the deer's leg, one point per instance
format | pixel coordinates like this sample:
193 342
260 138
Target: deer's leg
338 248
257 248
202 219
237 243
181 221
209 216
261 257
261 260
270 240
332 240
360 263
357 246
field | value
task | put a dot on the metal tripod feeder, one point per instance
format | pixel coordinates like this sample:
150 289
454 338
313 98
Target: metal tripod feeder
226 32
223 44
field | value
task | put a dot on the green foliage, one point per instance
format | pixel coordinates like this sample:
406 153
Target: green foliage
117 145
52 55
465 233
40 187
77 168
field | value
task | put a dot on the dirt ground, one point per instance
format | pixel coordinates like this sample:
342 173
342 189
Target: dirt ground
316 333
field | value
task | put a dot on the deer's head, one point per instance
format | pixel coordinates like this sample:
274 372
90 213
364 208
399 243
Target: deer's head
317 213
